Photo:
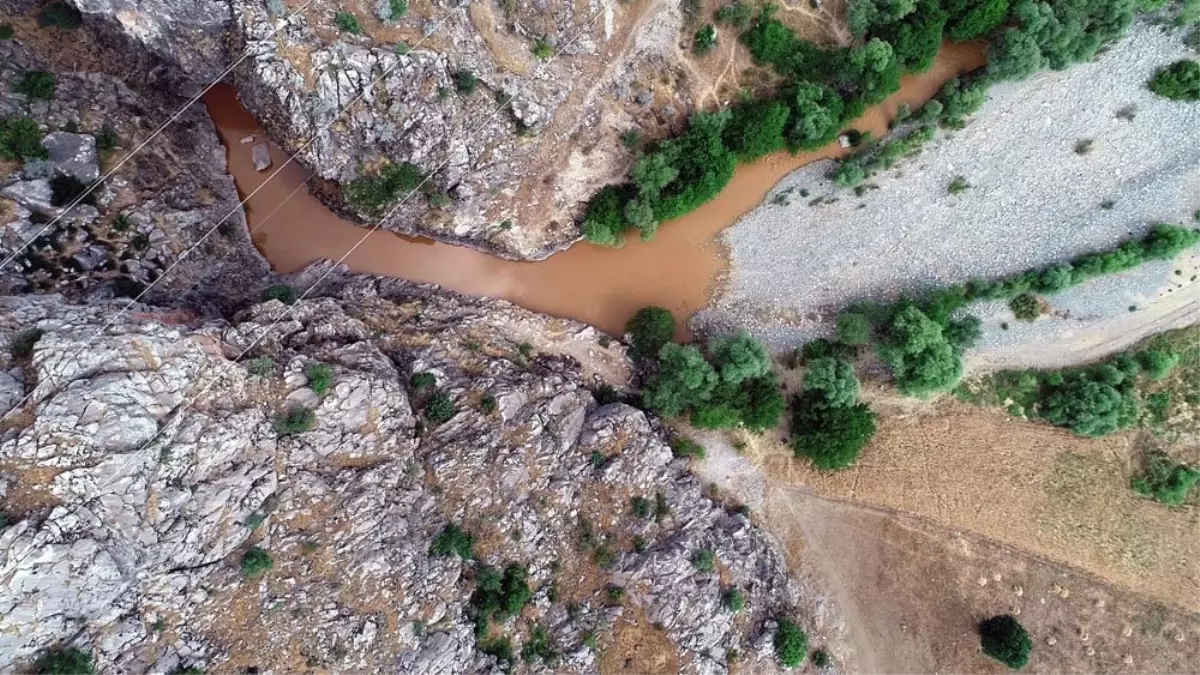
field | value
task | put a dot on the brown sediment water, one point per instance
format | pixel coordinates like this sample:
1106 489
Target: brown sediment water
679 269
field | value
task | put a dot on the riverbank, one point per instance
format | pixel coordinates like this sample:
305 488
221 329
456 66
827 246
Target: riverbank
1065 163
679 269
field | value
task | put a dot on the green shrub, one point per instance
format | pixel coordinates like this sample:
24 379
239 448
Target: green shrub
21 345
661 508
1158 363
1026 307
641 506
1004 638
649 330
734 600
347 22
398 9
959 184
6 31
296 420
963 333
262 366
453 540
68 190
682 446
539 648
705 39
281 292
1164 480
320 377
821 658
371 192
501 649
107 138
498 596
255 561
1179 81
830 437
422 381
853 328
704 560
60 15
543 50
20 139
831 382
487 403
465 82
791 643
64 661
439 408
36 84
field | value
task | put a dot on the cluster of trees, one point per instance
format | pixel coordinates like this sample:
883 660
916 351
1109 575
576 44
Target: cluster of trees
829 426
727 384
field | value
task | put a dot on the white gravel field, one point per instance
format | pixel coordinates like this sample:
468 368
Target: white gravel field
1033 200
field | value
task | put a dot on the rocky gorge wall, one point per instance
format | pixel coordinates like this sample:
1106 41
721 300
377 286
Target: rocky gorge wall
145 464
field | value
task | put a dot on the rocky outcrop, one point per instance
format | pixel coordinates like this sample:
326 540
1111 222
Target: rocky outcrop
148 460
514 111
150 223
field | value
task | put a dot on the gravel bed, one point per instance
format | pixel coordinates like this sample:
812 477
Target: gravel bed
1033 200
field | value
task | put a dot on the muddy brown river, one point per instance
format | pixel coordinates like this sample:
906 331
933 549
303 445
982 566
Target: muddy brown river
680 269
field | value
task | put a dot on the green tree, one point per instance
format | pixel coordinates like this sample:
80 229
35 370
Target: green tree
833 381
923 361
1158 363
684 380
973 19
453 540
20 139
817 116
1004 638
963 333
1015 56
36 84
1026 307
1089 407
255 561
917 37
649 330
756 129
1164 480
604 220
705 39
960 98
830 437
871 70
347 22
791 643
739 357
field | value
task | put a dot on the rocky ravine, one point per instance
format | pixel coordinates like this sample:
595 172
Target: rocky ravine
511 180
129 506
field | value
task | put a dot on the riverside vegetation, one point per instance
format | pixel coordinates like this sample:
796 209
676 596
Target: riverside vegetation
825 89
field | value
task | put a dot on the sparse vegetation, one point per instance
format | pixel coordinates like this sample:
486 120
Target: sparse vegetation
36 84
371 192
682 446
262 366
296 420
1004 638
1164 480
539 648
791 643
64 661
60 15
453 540
256 561
1179 81
543 50
736 15
21 139
281 292
958 185
347 22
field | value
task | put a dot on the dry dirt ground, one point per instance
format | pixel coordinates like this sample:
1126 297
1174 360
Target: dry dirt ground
911 593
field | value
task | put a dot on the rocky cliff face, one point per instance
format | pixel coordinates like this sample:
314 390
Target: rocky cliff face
147 462
156 210
510 162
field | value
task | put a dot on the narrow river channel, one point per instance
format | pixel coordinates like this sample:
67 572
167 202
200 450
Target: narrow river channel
680 269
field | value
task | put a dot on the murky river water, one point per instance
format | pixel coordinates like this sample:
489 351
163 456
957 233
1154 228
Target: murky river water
680 269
